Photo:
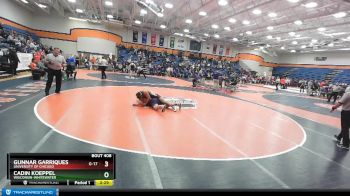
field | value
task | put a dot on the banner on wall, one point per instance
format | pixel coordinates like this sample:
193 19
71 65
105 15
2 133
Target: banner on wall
161 40
172 42
153 39
227 53
135 36
206 48
181 43
144 37
221 50
214 48
25 60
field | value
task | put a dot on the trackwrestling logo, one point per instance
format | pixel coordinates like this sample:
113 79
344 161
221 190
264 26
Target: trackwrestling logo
30 191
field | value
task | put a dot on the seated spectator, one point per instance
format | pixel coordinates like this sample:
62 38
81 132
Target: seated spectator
36 70
2 35
71 68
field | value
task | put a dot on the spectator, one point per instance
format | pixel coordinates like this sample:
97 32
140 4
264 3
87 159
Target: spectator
36 69
14 61
277 82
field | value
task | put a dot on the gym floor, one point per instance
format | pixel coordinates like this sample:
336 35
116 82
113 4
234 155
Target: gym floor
254 138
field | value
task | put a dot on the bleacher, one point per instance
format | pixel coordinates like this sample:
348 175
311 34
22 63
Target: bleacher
8 29
19 46
342 77
187 69
302 73
280 71
310 73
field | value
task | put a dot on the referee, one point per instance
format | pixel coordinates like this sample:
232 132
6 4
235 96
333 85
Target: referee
345 120
55 63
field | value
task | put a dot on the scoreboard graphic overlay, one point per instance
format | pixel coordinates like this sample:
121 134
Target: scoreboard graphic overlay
78 169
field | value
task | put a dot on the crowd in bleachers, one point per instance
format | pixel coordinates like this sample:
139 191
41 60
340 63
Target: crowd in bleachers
196 69
313 81
13 41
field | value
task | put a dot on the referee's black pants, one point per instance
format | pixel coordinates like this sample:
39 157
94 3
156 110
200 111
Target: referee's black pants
334 95
345 126
103 72
50 74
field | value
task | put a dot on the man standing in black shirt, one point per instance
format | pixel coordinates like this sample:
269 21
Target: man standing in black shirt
14 61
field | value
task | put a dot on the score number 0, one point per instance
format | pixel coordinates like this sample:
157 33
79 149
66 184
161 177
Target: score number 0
106 174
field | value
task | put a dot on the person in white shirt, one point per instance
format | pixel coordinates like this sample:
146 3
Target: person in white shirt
345 120
55 63
103 67
131 69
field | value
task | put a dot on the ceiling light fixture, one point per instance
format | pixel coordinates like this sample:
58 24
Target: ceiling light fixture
109 3
311 5
269 37
245 22
25 1
137 22
270 28
257 12
298 22
293 1
222 2
179 34
215 26
202 13
41 5
339 15
321 29
109 16
232 20
217 36
272 14
291 34
186 30
227 28
293 51
249 33
295 42
188 21
162 26
235 39
169 5
79 10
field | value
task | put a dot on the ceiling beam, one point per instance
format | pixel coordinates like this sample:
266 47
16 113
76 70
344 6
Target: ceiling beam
26 6
65 3
57 6
102 10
